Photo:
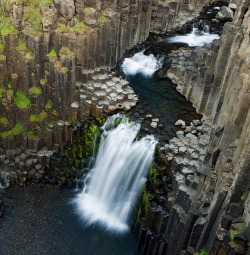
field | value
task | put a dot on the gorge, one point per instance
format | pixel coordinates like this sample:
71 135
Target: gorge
59 83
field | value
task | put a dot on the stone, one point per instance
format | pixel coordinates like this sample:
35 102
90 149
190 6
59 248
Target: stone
75 105
180 123
225 14
182 149
235 209
232 6
153 124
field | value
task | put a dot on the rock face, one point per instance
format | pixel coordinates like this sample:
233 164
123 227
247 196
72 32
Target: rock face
210 199
49 52
57 71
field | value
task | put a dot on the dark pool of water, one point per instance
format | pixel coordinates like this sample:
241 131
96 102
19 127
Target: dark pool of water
160 98
40 220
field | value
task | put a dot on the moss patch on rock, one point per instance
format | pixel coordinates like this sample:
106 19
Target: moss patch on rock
41 117
21 100
35 91
4 121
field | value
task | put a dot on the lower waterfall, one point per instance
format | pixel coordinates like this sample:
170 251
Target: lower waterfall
112 187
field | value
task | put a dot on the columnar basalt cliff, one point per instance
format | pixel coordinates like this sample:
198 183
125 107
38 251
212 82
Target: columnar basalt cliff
55 55
210 199
57 72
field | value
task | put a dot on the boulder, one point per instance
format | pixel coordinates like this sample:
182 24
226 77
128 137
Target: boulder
225 14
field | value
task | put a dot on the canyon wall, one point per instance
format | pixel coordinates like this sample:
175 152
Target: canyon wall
51 69
49 53
210 200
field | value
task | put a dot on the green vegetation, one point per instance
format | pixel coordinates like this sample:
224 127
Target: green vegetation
245 195
61 28
52 54
202 252
64 51
33 16
39 117
54 112
153 174
4 121
1 47
21 100
88 10
21 45
2 91
6 27
102 19
2 58
9 94
29 55
16 130
49 105
36 91
31 135
79 28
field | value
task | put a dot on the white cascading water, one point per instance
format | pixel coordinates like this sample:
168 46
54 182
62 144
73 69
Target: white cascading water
120 170
141 63
195 38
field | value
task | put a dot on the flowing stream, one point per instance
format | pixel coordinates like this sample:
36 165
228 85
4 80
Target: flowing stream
195 38
120 170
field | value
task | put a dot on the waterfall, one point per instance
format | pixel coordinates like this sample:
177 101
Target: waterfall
195 38
120 170
141 63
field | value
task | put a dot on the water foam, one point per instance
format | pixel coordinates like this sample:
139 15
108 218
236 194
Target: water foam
119 172
141 63
195 38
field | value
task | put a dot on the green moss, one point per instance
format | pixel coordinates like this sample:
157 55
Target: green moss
9 94
31 135
61 28
6 27
64 51
6 134
21 100
80 28
54 112
9 85
35 91
245 195
49 105
33 16
18 129
46 2
153 174
237 247
29 56
202 252
4 121
1 47
39 117
21 45
2 57
102 19
2 92
52 54
88 10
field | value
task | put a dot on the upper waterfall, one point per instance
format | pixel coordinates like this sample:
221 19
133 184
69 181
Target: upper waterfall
195 38
120 170
141 63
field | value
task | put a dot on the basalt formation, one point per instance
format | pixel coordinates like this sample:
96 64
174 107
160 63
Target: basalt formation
55 67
